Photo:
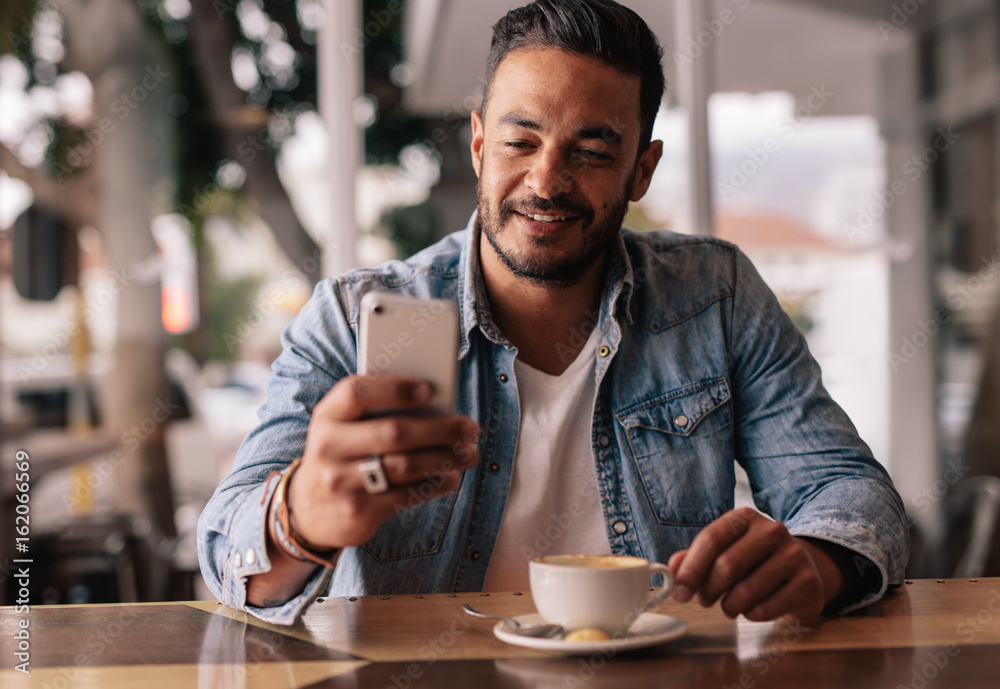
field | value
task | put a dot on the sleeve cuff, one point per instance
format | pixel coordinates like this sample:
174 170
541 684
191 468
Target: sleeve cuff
248 556
868 556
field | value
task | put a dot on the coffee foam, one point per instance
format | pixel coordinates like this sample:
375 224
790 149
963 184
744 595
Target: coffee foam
593 561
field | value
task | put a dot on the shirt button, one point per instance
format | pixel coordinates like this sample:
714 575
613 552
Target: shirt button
239 560
603 440
475 554
619 527
503 377
494 467
604 351
681 421
251 556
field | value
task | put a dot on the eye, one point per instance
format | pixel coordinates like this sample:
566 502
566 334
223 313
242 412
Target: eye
518 144
589 155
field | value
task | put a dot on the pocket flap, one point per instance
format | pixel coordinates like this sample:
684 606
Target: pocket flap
679 411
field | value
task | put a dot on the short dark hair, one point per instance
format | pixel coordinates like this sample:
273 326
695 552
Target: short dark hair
603 29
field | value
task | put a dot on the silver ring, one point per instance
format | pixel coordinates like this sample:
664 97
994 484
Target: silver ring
374 474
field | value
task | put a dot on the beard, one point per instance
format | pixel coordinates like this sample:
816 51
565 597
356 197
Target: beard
566 271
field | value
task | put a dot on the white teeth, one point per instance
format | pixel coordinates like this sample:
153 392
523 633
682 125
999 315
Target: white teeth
547 218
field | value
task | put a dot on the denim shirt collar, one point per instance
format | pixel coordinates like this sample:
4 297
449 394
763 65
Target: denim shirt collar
474 303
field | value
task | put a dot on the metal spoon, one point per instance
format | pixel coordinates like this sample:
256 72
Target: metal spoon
543 631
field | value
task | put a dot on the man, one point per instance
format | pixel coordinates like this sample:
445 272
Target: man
607 382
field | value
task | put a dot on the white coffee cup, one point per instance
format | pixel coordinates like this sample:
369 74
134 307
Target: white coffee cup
595 591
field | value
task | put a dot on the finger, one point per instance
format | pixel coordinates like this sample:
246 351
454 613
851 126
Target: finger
706 547
764 581
409 495
421 466
399 434
335 441
761 541
675 560
354 396
353 518
800 598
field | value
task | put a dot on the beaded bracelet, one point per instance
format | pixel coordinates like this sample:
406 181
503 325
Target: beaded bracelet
289 542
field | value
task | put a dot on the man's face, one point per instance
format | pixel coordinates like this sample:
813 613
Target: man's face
557 160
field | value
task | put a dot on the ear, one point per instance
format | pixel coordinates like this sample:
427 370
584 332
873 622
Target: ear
645 169
477 141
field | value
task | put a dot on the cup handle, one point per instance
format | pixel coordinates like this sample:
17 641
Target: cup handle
665 590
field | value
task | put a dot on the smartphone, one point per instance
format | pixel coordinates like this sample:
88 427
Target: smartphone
402 335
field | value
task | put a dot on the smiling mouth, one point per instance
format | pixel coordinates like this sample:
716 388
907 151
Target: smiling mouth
546 218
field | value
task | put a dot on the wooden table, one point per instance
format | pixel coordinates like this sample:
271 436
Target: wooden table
927 634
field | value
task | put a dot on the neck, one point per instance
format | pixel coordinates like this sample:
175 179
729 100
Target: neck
548 325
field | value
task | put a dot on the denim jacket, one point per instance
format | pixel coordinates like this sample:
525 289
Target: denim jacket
697 366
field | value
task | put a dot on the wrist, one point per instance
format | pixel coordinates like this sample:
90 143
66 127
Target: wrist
280 526
833 564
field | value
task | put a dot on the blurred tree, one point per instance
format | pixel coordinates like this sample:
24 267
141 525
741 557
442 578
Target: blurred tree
220 84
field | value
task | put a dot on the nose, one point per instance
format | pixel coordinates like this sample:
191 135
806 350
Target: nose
549 175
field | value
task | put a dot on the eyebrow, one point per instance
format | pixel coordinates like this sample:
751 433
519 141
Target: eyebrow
605 134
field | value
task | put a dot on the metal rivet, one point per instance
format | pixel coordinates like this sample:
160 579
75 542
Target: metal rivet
503 377
619 527
604 351
681 421
494 467
352 598
251 556
239 560
475 554
604 441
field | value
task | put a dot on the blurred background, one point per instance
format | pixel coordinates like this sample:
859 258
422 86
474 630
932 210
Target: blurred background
176 175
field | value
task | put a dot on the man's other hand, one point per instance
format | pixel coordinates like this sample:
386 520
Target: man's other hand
758 569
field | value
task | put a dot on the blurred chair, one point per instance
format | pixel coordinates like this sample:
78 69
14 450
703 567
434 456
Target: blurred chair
975 504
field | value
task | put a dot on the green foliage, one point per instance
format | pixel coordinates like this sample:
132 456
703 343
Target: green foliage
394 128
230 307
412 228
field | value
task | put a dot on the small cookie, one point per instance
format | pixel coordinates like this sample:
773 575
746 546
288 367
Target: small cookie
588 634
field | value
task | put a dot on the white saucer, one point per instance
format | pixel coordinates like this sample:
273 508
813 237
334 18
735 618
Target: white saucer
649 629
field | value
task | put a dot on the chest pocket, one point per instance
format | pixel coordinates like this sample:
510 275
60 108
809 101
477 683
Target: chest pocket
682 446
414 531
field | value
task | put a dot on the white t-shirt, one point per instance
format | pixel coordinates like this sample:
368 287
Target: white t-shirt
553 506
